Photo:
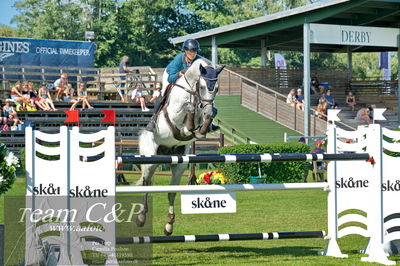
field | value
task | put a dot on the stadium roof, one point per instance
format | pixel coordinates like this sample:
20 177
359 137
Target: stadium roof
284 30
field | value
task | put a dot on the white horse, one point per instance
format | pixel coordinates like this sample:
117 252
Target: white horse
186 116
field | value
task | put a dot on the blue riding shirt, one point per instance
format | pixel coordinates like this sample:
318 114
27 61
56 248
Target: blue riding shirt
177 65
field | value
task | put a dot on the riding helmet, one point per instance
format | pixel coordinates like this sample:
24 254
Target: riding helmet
191 45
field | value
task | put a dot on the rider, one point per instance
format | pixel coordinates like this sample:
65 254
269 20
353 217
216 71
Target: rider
177 68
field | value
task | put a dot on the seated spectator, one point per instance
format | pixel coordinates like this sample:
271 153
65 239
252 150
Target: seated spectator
35 100
322 99
300 99
25 92
291 98
60 85
315 86
363 116
330 100
350 100
10 113
139 98
82 97
16 94
322 110
371 112
44 94
156 94
67 97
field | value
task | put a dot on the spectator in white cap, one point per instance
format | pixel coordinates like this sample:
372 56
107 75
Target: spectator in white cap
300 99
60 85
156 93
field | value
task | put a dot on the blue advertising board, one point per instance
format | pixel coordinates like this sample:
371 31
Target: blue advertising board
34 52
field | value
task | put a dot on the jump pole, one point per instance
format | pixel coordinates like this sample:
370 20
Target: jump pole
215 237
242 158
220 188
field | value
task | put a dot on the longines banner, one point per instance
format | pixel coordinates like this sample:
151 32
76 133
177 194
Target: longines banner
354 35
18 51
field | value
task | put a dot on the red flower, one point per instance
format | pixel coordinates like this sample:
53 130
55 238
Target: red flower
348 141
208 175
207 179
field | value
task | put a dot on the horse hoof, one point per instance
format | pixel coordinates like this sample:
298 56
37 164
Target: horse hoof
140 220
171 218
168 229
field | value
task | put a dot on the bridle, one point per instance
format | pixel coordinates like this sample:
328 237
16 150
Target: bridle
196 93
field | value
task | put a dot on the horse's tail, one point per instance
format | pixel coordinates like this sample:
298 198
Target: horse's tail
147 143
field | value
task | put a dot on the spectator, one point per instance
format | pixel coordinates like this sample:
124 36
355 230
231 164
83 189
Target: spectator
315 86
371 112
300 99
67 97
302 140
35 100
330 100
123 69
82 97
44 94
139 98
322 99
291 98
60 85
16 95
10 113
350 100
363 116
321 110
156 93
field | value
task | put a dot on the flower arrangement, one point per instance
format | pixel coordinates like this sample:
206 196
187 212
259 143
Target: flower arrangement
8 164
212 177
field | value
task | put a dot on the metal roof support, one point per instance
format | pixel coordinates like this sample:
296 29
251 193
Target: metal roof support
214 51
350 62
263 54
306 77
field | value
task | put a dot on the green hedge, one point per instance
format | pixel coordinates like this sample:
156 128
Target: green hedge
276 172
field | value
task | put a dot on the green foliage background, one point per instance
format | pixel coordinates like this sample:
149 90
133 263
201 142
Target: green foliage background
141 29
276 172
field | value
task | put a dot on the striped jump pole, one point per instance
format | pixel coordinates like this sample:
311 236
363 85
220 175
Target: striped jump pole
242 158
220 188
217 237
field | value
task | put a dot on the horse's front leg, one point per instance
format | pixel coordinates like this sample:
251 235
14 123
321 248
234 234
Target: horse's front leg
189 125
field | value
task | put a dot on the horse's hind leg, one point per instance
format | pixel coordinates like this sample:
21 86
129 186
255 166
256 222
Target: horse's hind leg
147 177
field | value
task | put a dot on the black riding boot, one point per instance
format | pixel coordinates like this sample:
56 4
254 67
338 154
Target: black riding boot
150 126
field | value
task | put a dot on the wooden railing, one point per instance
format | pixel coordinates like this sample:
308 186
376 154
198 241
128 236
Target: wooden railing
233 135
98 79
270 103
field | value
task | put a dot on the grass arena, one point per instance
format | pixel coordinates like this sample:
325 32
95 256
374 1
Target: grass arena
199 132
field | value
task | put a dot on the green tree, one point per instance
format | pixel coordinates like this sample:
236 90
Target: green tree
7 31
50 19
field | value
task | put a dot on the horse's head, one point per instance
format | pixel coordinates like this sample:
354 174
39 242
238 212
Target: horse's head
207 88
209 78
